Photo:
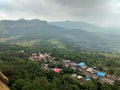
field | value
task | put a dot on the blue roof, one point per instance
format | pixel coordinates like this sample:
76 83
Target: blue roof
88 79
81 64
101 74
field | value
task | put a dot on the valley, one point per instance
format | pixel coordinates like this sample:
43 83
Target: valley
21 38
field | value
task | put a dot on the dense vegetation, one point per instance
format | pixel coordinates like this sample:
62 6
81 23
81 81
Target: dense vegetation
25 74
34 36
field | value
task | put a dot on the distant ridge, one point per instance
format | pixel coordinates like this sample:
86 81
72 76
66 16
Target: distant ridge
87 27
78 25
35 29
35 21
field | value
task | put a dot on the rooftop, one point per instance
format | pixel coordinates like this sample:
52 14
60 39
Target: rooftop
88 79
57 70
81 64
101 74
79 77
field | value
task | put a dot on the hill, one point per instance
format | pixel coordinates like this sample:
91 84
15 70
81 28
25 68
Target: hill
34 31
87 27
78 25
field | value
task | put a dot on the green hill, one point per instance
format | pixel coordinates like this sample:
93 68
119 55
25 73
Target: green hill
78 25
19 31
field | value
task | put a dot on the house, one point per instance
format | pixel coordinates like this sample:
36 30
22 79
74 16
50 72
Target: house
101 74
90 70
41 56
74 68
106 80
81 64
118 78
66 61
95 76
46 54
87 79
79 69
95 71
74 75
66 65
21 51
53 58
57 70
35 57
34 54
73 64
84 67
88 74
111 77
94 67
45 66
79 77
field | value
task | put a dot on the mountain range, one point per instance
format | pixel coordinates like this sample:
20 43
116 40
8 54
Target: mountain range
87 27
76 34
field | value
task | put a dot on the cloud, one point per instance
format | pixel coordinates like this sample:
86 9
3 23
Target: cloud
82 3
101 12
3 15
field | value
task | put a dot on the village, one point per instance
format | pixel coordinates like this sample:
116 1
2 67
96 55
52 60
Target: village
90 72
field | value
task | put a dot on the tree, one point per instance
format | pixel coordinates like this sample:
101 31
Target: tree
42 83
57 82
18 85
29 86
105 87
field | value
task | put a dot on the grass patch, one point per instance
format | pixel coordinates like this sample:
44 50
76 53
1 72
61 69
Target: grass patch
56 42
9 38
28 43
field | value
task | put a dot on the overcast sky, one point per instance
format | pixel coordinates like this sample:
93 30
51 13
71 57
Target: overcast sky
101 12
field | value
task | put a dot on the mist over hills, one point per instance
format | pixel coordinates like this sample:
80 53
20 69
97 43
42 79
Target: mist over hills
78 25
87 27
71 34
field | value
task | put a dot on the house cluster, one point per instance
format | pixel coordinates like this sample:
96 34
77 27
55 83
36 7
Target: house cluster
81 78
90 72
39 56
45 65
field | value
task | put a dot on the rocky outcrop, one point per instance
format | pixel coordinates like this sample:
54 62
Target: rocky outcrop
3 78
3 86
3 82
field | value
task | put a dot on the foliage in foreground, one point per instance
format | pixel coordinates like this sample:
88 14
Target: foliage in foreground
25 74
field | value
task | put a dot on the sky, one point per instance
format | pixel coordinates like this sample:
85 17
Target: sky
99 12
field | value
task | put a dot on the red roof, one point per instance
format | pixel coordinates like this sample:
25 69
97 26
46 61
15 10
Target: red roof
57 70
35 57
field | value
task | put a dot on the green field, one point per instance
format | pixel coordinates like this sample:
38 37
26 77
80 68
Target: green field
56 43
28 43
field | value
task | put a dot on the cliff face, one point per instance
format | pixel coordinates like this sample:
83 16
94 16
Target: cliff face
3 82
3 78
